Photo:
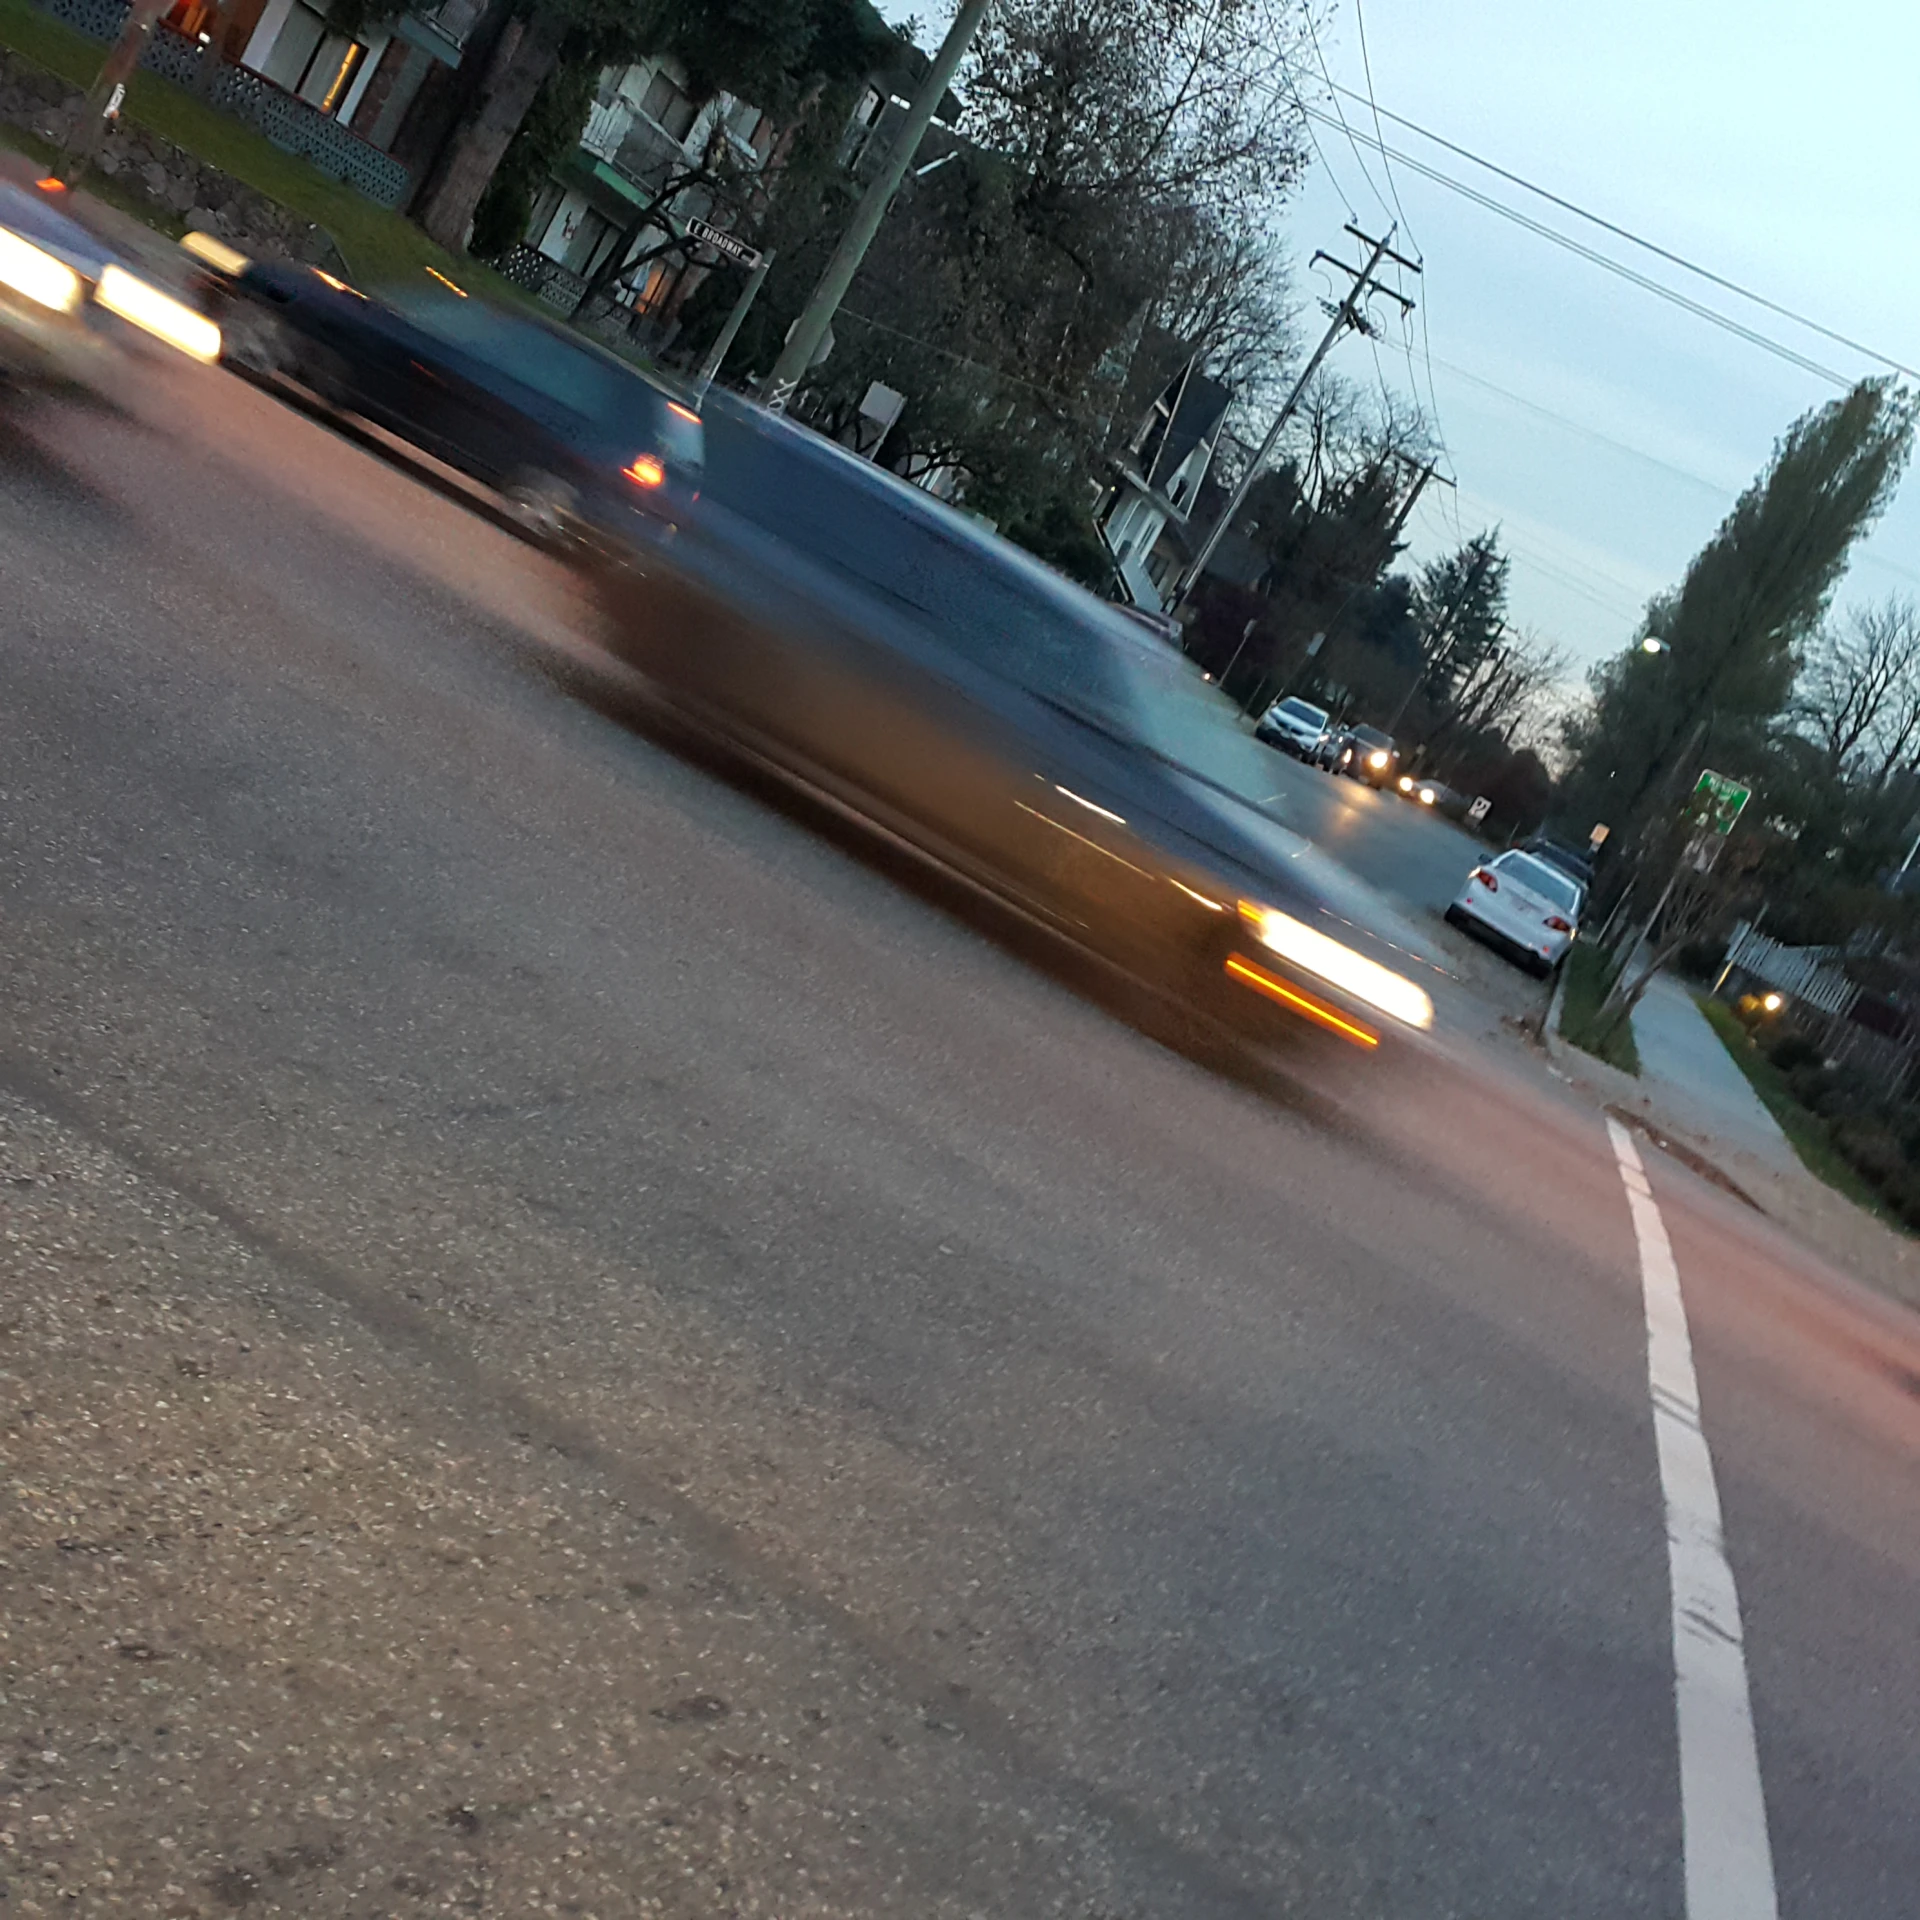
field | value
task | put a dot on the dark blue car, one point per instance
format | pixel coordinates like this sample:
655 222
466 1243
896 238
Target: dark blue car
584 447
910 668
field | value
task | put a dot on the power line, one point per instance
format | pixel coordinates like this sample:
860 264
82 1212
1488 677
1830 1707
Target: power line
1622 232
1366 67
1338 119
1606 261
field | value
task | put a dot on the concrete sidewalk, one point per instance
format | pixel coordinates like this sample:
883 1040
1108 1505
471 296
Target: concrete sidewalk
1688 1074
1696 1101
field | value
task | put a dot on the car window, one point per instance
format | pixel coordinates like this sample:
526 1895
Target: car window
1308 716
597 388
1373 736
1536 876
988 603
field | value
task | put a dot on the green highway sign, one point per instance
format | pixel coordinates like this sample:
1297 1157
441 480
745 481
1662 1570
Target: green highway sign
1717 802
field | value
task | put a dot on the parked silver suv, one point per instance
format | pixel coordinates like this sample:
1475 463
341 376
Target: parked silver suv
1293 725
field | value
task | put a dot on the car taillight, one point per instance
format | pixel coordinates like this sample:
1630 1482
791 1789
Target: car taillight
1556 925
1486 879
646 471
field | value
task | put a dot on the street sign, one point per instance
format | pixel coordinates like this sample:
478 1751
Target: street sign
1598 837
721 241
1480 809
1717 802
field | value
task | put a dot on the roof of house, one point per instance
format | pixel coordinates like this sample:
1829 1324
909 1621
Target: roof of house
1198 410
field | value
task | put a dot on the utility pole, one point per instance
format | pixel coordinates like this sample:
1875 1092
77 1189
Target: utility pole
1451 627
107 94
1422 475
817 315
1347 314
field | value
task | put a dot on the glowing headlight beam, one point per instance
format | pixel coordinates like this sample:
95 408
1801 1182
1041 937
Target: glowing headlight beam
216 254
1338 965
159 314
36 275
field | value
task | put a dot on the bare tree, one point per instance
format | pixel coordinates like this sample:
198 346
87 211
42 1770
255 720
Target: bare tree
1508 686
1858 691
1710 882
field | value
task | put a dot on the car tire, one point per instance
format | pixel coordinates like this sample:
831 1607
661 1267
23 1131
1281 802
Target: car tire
253 342
545 509
1455 918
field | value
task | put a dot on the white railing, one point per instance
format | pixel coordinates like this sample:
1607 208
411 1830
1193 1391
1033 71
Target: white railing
608 123
1808 973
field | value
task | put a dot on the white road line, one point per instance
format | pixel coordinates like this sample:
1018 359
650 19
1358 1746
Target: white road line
1723 1815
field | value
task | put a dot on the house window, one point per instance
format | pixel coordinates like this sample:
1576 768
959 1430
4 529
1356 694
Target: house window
668 108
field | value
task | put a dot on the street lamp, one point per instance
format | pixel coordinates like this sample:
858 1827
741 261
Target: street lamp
1654 644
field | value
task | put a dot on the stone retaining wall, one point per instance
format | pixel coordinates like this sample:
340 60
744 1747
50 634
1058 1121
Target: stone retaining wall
154 172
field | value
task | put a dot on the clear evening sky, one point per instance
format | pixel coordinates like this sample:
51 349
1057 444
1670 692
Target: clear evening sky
1605 431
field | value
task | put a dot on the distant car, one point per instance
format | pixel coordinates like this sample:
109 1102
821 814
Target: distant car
1523 905
1293 725
64 292
1435 794
584 448
1370 755
1163 626
1333 746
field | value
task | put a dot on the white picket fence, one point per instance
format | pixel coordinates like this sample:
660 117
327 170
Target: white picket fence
1810 974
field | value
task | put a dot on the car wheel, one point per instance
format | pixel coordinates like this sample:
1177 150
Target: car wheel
544 508
253 342
1455 918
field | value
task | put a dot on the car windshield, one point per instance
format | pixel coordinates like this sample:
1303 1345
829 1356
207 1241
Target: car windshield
1301 711
587 382
1372 737
1536 876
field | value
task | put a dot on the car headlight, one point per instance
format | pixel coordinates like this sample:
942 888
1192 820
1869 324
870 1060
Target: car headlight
1377 759
1426 796
35 274
1326 958
159 314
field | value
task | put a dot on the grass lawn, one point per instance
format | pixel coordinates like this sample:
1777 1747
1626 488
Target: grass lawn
376 244
1809 1135
1587 980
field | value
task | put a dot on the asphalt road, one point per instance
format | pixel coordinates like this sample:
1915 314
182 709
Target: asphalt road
572 1343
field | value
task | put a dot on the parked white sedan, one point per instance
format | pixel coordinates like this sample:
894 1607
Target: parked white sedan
1522 905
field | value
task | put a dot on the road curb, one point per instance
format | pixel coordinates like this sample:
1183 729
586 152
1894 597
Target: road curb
1550 1022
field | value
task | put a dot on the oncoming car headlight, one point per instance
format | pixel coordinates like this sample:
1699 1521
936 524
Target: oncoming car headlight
159 314
1377 759
1316 953
34 273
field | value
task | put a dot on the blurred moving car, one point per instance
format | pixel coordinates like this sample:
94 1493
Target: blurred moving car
1523 905
1368 754
917 673
64 293
584 448
1293 725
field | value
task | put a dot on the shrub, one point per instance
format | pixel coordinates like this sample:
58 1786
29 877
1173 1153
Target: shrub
1875 1153
1700 959
1793 1050
1814 1086
1903 1196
